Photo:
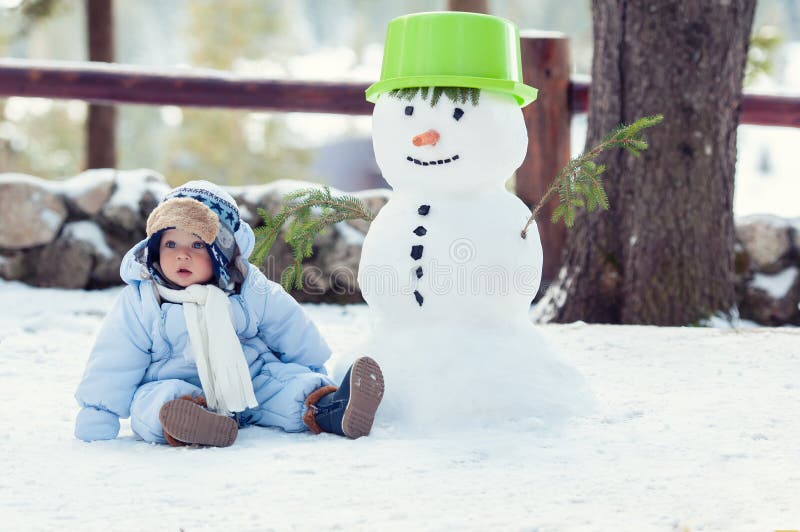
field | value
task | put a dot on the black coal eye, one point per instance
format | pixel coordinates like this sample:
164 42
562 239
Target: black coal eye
458 113
409 110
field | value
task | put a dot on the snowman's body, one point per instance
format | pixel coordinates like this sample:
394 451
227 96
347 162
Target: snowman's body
447 275
457 259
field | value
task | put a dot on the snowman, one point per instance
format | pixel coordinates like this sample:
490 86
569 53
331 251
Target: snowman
446 274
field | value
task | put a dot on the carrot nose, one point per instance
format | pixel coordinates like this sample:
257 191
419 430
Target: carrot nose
429 137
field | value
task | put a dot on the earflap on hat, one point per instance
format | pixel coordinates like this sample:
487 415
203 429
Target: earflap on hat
219 262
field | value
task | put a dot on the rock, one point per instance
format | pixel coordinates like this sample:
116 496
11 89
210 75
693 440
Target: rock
65 263
32 213
767 241
87 192
136 194
107 260
795 223
90 233
106 273
742 268
13 265
330 275
374 199
773 299
86 253
123 217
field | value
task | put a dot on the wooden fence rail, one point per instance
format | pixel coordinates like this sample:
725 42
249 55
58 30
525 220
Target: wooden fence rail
100 83
106 84
545 59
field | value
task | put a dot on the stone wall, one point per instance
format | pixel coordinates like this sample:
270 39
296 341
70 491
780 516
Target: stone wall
73 234
768 269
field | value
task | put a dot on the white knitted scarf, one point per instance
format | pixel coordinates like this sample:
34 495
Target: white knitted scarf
215 347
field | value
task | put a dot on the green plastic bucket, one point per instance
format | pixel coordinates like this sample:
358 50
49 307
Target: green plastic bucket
452 49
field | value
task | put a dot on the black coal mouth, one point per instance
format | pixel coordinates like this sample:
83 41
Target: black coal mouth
435 162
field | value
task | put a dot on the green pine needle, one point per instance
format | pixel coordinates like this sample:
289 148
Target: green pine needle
308 212
578 184
454 94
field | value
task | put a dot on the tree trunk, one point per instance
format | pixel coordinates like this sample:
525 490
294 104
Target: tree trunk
663 254
474 6
101 123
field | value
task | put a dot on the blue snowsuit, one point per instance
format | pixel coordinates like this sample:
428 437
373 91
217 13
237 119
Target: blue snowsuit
137 363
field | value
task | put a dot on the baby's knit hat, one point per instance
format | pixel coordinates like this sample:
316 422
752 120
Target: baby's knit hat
204 209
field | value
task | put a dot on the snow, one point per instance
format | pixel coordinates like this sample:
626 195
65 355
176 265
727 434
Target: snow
776 222
247 215
351 236
255 193
13 178
132 186
541 34
73 187
81 184
776 285
181 71
696 429
89 232
371 192
51 218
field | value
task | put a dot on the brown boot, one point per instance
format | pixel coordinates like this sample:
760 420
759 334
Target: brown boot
187 421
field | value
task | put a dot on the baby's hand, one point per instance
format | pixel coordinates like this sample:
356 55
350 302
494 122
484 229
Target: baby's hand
93 424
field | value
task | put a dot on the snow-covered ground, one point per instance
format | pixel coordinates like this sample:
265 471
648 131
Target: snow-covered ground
697 430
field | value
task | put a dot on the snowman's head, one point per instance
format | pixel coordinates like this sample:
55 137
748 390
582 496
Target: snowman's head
447 139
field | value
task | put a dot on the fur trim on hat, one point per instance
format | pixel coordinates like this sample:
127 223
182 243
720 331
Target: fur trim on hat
186 214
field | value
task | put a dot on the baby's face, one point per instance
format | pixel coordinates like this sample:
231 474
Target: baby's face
184 258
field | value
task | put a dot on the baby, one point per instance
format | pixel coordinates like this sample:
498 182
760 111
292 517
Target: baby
200 343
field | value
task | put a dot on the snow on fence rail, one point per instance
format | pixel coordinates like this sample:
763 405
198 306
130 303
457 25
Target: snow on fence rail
757 109
545 65
104 83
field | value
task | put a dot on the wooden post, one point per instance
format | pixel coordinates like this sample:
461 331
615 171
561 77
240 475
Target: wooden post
102 119
473 6
545 65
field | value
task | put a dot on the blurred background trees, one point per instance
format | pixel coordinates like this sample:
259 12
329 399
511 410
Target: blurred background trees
312 39
309 39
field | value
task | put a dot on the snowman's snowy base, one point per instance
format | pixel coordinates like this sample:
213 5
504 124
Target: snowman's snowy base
492 378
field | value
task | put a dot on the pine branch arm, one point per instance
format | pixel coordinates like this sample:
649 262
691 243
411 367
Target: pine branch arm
622 137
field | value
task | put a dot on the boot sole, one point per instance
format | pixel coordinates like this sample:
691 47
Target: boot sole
191 423
366 392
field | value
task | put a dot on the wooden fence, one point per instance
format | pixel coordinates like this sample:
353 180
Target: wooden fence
545 63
